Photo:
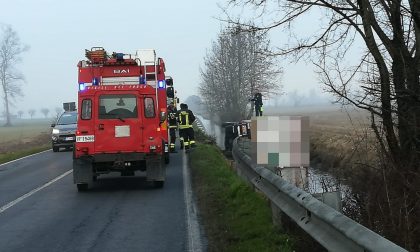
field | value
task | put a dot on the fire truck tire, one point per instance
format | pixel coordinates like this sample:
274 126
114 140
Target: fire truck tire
55 148
82 173
82 187
158 184
156 170
167 158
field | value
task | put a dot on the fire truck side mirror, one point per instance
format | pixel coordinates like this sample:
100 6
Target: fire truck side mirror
177 100
52 125
170 92
162 116
169 82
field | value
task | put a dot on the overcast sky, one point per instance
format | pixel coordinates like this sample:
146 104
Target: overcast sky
58 32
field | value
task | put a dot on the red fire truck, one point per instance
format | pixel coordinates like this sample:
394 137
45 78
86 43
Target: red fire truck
122 127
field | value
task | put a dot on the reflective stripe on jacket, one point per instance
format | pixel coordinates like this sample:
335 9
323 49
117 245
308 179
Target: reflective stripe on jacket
184 121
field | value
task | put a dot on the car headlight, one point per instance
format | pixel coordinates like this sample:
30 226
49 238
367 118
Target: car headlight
56 131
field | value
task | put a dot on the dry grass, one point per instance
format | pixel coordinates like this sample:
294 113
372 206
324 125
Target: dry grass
340 139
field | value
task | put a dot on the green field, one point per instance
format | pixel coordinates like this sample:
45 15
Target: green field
24 130
25 137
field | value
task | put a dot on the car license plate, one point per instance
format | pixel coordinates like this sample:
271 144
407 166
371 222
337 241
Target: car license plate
69 138
85 139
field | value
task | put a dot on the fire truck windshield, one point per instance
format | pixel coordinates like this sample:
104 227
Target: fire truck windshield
117 106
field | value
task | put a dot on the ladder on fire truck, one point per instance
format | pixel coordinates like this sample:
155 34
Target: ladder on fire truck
147 57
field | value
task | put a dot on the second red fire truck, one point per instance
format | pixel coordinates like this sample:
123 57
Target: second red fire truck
122 103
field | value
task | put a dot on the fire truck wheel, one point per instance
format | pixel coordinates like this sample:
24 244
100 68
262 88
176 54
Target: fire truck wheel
158 184
166 158
82 187
55 148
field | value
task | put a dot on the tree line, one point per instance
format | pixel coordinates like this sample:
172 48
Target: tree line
32 112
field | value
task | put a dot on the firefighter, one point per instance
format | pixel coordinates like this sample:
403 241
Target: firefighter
190 130
173 125
186 132
258 103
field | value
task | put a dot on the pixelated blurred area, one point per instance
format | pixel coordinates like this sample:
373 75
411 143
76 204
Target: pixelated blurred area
280 141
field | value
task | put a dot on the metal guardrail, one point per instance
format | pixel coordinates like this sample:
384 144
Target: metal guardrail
332 229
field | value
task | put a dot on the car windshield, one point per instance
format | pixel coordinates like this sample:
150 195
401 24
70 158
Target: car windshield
70 118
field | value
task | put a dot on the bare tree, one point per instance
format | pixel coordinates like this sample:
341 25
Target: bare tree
234 69
45 112
31 112
384 81
20 113
10 79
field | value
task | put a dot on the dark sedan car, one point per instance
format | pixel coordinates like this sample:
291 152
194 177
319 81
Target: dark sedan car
64 131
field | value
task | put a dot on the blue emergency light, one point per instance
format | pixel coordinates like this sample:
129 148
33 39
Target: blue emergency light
82 86
161 84
142 80
95 81
119 56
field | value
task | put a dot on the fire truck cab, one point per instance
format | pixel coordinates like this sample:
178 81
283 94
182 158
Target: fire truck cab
122 126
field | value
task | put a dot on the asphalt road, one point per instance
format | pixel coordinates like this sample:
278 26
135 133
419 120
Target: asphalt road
117 214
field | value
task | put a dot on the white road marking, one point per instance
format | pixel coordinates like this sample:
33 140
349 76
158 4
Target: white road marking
24 157
194 237
26 195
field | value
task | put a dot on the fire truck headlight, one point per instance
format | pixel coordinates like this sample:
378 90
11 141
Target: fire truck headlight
161 84
82 86
55 131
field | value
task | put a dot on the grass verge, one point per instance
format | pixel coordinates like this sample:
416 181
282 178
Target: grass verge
234 216
9 156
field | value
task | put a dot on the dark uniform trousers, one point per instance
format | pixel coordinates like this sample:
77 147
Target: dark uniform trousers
258 110
172 134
